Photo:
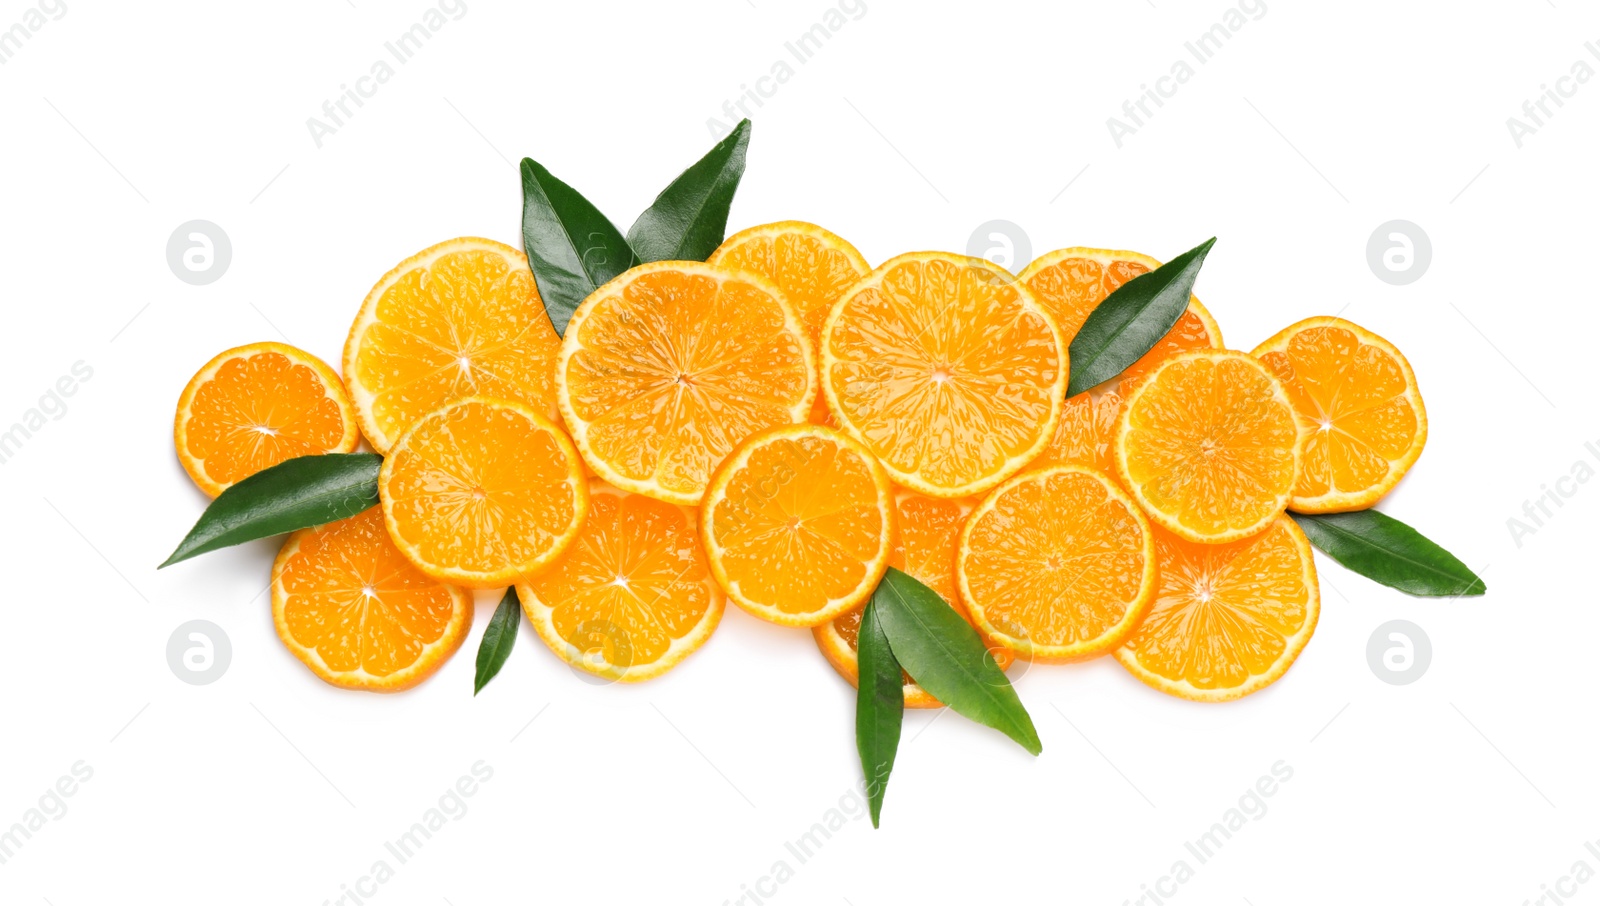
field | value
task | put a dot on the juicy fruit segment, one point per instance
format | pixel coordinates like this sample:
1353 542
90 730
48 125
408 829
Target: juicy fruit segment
483 492
632 596
925 549
670 365
1056 564
461 318
255 406
798 524
1228 619
1069 283
349 605
1085 434
1207 444
1362 423
947 369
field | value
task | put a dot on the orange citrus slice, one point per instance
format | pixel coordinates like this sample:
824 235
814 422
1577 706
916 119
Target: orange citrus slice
255 406
1056 564
1228 619
670 365
355 611
925 549
1084 436
1206 442
461 318
947 369
798 524
1362 423
483 492
632 596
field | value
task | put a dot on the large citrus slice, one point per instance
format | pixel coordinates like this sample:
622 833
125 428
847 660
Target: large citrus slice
255 406
483 492
632 596
948 370
670 365
1056 564
462 318
355 611
1228 619
1206 442
1362 423
798 524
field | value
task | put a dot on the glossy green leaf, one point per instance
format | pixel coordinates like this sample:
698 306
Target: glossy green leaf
498 637
944 654
688 219
294 494
880 707
1130 321
571 246
1390 552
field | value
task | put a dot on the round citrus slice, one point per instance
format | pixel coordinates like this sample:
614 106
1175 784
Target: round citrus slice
810 265
948 370
1362 423
1206 442
355 611
461 318
1228 619
670 365
798 524
483 492
1056 564
255 406
925 549
632 596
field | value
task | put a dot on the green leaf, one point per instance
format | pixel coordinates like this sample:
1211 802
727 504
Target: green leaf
572 248
880 707
1388 551
947 658
687 220
294 494
498 637
1130 321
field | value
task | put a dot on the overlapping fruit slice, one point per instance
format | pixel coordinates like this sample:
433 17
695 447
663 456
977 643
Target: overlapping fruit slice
1362 423
255 406
633 595
670 365
1228 619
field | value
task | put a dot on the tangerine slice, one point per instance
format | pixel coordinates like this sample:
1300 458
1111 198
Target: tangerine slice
1228 619
354 610
255 406
798 524
483 492
947 369
1085 434
632 596
1362 423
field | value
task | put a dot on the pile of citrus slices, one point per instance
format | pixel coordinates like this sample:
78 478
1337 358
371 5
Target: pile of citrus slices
780 424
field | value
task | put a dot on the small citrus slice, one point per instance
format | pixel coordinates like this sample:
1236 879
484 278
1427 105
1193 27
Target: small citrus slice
632 596
798 524
1085 434
1228 619
1071 282
947 369
1362 423
349 605
483 492
925 549
255 406
670 365
461 318
1206 442
1056 564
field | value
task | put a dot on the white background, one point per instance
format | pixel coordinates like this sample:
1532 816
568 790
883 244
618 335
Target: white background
914 124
